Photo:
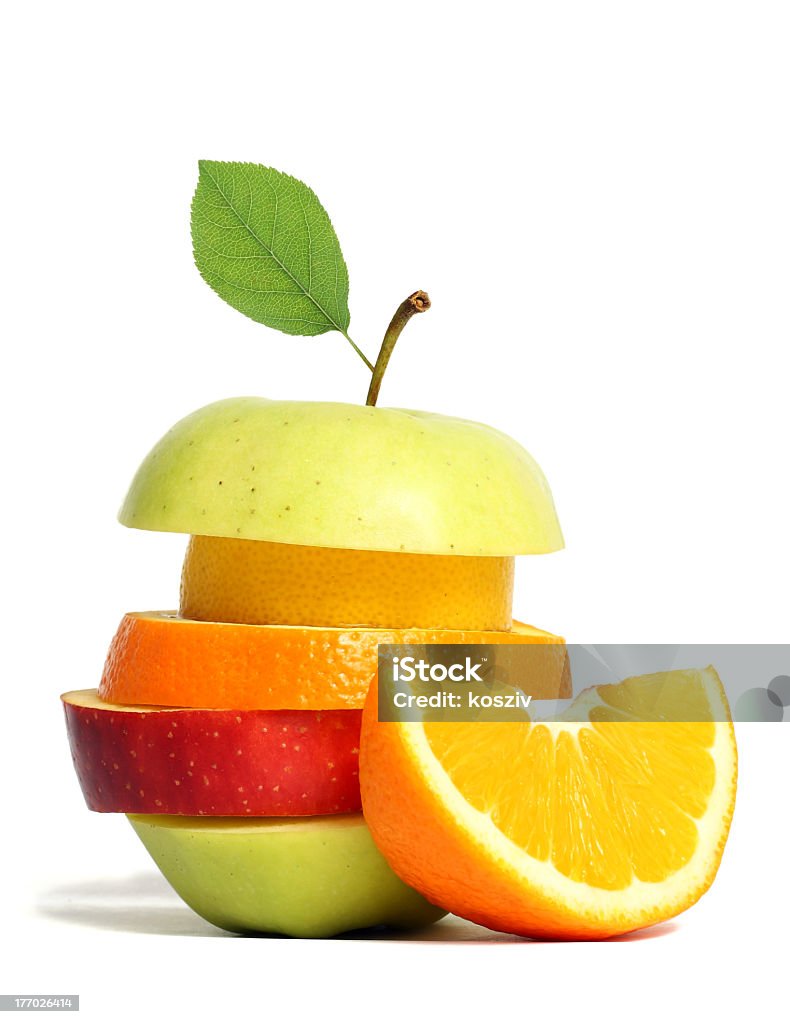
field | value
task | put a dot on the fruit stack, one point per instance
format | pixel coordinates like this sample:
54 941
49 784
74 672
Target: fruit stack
229 732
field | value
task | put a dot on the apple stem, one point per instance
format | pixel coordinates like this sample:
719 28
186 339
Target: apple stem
417 302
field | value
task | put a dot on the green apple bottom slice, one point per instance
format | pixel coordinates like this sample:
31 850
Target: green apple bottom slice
309 877
391 480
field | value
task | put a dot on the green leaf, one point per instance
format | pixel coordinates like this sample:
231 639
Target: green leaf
265 244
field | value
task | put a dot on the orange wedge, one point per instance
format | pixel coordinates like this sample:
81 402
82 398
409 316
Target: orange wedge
159 658
230 580
581 828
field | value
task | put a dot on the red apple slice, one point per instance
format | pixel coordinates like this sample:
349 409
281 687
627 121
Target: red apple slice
153 760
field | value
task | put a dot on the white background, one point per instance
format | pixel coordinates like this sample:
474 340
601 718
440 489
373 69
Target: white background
596 197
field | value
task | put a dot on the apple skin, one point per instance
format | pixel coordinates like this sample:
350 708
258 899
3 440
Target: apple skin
308 877
213 762
331 474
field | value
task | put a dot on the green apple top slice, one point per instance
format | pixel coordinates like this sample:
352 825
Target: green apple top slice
331 474
325 474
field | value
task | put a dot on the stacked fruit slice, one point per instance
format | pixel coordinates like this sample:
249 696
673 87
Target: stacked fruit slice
610 817
230 732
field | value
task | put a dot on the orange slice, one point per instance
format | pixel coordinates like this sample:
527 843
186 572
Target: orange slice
565 829
253 581
159 658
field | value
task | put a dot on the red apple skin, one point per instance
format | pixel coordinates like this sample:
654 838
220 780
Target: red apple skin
150 760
